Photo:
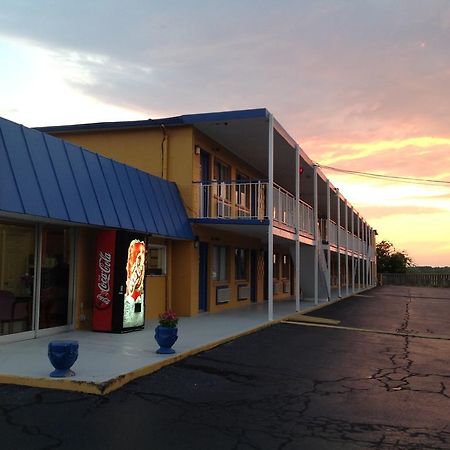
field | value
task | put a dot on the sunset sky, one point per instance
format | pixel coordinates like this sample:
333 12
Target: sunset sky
361 85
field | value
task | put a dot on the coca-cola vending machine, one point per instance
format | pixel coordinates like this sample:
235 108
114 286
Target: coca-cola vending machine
119 282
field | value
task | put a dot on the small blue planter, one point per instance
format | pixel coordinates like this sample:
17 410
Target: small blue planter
165 337
62 355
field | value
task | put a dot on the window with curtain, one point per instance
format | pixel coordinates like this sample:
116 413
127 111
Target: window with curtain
241 263
220 263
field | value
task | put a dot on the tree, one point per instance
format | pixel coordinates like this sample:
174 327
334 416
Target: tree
389 260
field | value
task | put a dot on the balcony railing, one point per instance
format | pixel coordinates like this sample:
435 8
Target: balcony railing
248 200
355 244
232 200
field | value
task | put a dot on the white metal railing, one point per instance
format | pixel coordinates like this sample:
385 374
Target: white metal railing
232 200
355 244
342 236
247 200
333 233
283 206
306 218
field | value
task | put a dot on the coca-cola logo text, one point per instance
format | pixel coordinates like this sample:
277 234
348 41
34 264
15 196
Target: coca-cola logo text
103 297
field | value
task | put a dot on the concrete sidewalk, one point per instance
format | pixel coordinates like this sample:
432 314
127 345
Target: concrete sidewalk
108 361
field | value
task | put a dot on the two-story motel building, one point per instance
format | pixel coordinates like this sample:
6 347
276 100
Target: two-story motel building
256 208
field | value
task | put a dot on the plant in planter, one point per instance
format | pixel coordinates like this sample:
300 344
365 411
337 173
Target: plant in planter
166 333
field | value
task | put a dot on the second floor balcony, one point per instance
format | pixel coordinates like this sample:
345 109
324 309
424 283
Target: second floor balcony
248 200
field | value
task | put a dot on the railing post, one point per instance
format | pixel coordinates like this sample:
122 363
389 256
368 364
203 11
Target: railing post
346 248
270 231
328 237
365 253
316 237
338 243
353 249
370 255
297 228
358 219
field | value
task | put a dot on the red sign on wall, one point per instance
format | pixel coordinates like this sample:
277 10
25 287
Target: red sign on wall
104 280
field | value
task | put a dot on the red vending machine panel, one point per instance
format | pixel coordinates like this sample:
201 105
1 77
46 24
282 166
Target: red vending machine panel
104 281
119 282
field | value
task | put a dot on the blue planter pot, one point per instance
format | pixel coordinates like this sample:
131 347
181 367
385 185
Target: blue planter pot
165 337
62 355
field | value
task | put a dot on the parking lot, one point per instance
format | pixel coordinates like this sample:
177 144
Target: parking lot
378 378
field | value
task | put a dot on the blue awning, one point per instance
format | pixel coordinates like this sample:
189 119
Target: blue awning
44 176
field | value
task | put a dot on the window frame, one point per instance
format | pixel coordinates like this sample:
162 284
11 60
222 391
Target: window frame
246 263
148 269
217 278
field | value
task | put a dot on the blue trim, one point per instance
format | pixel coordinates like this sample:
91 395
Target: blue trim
44 176
230 221
187 119
203 277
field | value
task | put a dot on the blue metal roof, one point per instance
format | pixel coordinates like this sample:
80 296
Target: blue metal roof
44 176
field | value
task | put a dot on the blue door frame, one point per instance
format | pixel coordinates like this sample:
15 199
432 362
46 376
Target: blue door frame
203 277
253 275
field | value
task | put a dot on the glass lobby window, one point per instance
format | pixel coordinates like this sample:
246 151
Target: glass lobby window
156 260
55 275
17 244
241 263
220 263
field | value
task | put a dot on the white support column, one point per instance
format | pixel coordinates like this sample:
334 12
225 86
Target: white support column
297 228
374 255
346 248
365 253
370 257
338 244
358 221
270 214
353 249
328 237
374 265
368 254
316 238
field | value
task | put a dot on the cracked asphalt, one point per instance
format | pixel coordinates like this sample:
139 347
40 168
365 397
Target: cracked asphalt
289 386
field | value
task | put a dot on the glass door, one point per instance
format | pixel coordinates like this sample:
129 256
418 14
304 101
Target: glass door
17 255
55 277
36 279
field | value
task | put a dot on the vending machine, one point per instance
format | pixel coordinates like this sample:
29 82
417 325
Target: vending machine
119 282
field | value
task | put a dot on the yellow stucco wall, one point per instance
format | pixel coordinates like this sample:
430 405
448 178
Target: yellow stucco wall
184 278
232 241
170 152
168 156
155 296
216 152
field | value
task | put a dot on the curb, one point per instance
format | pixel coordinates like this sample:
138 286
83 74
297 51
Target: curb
106 387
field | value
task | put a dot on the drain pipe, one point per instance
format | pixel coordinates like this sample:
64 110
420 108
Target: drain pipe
164 151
